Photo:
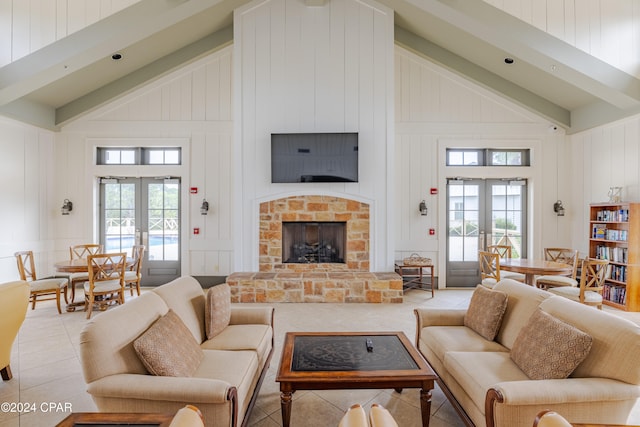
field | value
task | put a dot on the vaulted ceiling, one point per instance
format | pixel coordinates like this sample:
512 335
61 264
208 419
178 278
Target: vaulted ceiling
64 80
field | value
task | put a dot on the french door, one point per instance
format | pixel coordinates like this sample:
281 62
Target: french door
143 211
482 212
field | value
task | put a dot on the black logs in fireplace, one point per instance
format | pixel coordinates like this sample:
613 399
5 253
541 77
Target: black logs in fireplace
313 242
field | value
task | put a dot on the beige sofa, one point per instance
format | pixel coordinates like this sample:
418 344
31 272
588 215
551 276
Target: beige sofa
488 389
226 381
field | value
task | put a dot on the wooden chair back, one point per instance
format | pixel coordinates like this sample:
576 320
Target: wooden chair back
26 266
137 253
83 251
489 265
106 267
592 277
503 250
564 255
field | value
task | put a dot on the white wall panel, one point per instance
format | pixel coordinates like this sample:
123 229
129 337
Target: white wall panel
192 105
606 29
26 26
312 69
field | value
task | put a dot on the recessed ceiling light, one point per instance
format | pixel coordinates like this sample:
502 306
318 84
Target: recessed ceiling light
116 56
508 60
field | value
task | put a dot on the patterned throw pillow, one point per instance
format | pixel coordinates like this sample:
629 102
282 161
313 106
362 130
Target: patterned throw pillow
217 310
168 348
485 311
548 348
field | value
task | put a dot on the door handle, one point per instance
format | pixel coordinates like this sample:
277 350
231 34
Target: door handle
481 240
137 238
145 238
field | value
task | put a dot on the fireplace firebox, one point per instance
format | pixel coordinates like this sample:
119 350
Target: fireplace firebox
313 242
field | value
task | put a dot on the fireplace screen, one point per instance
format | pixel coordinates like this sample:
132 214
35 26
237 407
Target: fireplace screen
313 242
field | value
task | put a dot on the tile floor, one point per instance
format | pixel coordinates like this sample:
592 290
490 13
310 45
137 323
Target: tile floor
46 367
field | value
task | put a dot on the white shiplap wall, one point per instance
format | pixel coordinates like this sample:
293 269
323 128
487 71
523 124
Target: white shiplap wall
26 26
313 69
607 156
606 29
436 109
190 108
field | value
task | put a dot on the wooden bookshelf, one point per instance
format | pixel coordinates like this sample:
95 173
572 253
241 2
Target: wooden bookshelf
614 234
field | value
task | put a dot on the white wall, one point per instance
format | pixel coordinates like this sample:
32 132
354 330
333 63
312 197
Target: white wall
190 108
28 206
436 110
607 156
606 29
26 26
313 69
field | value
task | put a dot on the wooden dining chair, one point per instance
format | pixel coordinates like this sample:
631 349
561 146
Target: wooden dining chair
566 256
589 289
80 252
133 275
505 251
41 289
489 268
106 281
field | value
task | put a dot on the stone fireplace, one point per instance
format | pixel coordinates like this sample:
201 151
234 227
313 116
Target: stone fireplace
320 210
309 242
310 272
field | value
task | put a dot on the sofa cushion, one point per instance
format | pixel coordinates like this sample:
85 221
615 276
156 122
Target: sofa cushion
243 337
548 348
610 333
217 309
476 372
185 296
485 312
522 302
167 348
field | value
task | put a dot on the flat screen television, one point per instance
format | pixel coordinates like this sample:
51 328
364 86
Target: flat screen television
314 157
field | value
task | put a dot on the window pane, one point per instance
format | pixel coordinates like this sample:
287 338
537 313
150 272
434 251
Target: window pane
112 157
514 158
499 158
171 157
156 157
128 157
471 158
455 158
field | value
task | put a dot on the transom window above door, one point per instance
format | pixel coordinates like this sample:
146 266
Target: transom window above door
139 156
487 157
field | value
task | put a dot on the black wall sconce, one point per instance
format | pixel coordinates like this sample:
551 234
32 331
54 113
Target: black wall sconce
558 208
423 208
67 207
204 208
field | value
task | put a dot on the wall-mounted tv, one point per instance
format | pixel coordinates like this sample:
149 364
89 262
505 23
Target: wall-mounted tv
314 157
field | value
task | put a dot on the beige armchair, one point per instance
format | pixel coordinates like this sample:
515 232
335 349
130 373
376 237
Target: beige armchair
14 300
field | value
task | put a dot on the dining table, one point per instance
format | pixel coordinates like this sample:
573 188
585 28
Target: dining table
80 265
535 267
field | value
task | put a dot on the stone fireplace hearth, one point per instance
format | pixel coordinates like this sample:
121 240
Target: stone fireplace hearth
314 209
349 280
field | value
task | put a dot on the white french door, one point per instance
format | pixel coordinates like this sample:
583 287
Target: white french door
143 211
482 212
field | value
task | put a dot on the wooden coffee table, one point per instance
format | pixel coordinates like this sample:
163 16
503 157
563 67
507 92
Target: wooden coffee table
341 360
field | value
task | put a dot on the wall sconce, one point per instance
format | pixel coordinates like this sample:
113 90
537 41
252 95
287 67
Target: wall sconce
423 208
67 207
204 208
558 208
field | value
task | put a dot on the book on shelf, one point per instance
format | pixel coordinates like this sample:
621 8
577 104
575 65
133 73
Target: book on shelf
599 231
616 294
617 215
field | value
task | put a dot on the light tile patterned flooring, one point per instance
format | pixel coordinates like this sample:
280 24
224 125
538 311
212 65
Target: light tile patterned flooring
46 366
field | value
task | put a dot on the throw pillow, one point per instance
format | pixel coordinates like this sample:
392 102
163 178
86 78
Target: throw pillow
168 348
485 312
217 310
548 348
